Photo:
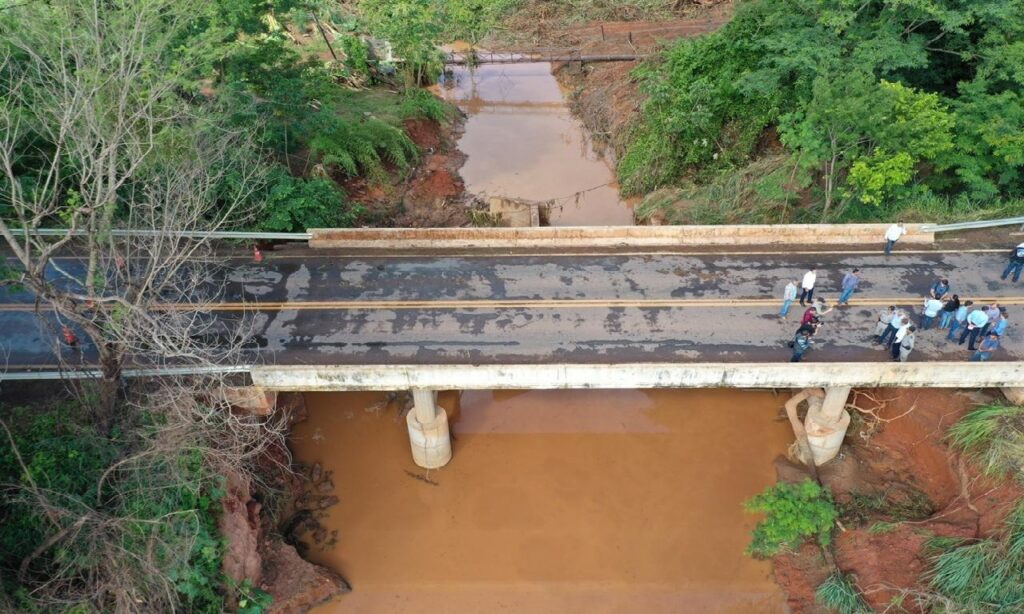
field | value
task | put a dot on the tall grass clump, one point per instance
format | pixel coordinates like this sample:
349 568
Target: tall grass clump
993 437
985 575
839 594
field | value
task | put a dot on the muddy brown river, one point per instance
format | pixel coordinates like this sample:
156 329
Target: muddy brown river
554 501
522 142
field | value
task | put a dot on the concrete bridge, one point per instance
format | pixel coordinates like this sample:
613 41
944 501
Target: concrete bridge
429 310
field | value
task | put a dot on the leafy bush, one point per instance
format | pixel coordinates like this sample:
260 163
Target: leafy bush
294 205
839 594
993 437
793 513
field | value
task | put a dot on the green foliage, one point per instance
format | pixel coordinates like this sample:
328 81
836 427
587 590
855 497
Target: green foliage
294 205
839 594
984 576
884 103
164 510
793 513
422 104
993 437
252 600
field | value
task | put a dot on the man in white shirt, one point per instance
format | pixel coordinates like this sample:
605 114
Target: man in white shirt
894 234
932 307
807 286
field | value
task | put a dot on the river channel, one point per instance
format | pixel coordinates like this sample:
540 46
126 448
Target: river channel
554 501
522 142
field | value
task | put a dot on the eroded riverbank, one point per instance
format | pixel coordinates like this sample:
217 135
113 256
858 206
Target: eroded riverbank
611 501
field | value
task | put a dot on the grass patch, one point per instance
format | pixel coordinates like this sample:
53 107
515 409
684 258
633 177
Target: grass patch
906 505
993 437
839 594
985 576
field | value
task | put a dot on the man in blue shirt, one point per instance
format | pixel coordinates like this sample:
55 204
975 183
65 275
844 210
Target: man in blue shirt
850 283
976 320
939 288
988 345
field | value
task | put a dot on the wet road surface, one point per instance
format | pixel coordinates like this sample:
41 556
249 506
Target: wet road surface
328 309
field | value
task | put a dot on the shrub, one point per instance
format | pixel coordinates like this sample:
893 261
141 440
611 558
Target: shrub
793 513
839 593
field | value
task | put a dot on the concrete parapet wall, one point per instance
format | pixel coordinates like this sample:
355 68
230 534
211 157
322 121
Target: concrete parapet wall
641 375
609 236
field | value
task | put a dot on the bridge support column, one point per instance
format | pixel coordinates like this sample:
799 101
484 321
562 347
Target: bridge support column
428 431
826 423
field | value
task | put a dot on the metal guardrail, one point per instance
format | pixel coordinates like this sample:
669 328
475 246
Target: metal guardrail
96 373
1009 221
194 234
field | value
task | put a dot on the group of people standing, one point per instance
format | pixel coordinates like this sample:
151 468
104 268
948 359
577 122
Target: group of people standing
980 327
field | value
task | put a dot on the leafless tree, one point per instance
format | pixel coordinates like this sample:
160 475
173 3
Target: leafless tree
95 137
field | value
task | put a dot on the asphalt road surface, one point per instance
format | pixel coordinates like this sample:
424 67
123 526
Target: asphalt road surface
315 308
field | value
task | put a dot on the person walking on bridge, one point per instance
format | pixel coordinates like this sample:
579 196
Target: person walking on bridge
807 286
1016 263
788 297
988 345
894 234
801 344
976 320
850 282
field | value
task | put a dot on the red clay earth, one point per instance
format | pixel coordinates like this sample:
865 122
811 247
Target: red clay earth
905 459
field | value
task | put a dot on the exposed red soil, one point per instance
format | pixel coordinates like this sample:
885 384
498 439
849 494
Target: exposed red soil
604 95
432 195
904 458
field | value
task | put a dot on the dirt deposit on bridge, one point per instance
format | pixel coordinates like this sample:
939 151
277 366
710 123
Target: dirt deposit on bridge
554 501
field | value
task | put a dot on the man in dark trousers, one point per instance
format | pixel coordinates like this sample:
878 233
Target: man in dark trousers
801 344
1016 263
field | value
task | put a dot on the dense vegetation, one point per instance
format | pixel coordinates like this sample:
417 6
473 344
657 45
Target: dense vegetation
293 76
878 107
793 514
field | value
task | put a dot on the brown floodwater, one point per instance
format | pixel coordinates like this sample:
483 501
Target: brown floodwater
521 141
554 501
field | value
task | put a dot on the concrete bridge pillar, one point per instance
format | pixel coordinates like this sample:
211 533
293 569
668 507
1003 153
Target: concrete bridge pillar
826 422
428 431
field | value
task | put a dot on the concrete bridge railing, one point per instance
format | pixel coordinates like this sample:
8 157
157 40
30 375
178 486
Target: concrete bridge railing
641 376
610 236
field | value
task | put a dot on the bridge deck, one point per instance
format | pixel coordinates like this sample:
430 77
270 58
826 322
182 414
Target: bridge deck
325 309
